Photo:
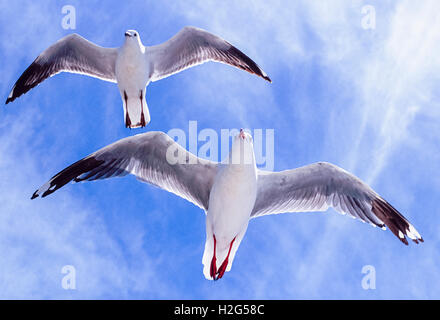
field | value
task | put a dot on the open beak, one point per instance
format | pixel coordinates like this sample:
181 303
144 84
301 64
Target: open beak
127 34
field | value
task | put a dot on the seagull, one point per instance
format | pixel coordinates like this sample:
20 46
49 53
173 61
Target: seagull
132 66
234 191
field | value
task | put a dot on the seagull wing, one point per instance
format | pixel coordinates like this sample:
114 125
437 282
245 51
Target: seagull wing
73 54
317 187
153 157
192 46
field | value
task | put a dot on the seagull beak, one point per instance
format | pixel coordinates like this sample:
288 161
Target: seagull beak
242 134
127 34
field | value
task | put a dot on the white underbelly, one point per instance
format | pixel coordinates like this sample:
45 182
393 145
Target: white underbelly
131 75
230 204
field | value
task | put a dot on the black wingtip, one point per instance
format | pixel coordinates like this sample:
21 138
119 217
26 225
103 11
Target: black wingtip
9 99
70 173
48 192
249 65
31 77
397 223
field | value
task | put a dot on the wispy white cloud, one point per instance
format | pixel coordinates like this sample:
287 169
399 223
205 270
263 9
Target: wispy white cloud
398 82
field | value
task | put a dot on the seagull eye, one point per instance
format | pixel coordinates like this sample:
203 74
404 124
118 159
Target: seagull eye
135 34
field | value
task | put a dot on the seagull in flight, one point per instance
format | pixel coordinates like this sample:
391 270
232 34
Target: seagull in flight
132 66
234 191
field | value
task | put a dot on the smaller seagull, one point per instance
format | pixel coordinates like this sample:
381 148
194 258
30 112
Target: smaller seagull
234 191
133 66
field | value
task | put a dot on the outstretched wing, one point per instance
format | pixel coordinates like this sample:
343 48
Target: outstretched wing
192 46
73 54
317 187
153 157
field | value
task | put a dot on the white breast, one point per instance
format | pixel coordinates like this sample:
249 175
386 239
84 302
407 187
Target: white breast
231 201
132 71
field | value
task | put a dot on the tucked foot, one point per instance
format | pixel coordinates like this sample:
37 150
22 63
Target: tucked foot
143 123
222 269
127 121
127 117
224 265
213 269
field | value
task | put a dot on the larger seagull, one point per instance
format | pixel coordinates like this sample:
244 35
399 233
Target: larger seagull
234 191
133 66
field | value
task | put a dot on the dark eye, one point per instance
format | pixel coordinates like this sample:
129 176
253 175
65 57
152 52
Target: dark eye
135 34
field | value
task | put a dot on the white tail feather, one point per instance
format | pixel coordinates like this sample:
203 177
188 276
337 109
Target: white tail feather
134 110
221 252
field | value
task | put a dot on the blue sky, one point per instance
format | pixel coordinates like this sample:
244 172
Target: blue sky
366 100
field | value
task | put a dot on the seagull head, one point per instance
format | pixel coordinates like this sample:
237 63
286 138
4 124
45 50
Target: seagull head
132 36
131 33
242 150
243 136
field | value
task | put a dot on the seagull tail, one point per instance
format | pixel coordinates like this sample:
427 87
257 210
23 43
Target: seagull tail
224 253
136 113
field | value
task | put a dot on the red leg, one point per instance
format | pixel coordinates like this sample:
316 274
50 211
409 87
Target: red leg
213 270
143 124
222 269
127 117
